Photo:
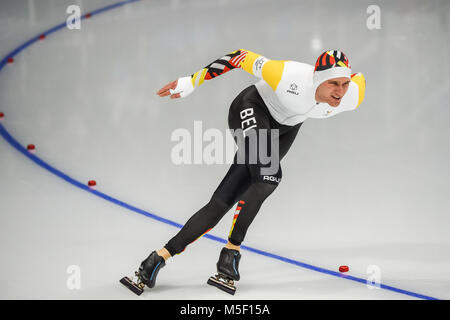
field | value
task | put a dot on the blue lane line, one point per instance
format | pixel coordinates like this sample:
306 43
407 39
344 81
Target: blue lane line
13 142
57 28
5 134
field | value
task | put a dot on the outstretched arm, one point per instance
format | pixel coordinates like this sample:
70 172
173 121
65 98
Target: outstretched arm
253 63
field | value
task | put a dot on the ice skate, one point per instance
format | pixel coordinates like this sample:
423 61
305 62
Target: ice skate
227 271
148 271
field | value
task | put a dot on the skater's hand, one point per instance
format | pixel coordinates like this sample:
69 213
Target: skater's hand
164 91
177 89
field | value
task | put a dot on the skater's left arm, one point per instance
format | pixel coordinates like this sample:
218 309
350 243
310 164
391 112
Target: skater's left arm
253 63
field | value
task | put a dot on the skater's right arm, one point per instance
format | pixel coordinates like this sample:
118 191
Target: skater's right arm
255 64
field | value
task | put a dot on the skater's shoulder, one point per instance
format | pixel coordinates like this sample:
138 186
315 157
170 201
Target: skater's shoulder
355 93
299 66
360 81
294 70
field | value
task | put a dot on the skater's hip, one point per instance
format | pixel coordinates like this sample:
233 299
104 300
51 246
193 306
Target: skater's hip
247 104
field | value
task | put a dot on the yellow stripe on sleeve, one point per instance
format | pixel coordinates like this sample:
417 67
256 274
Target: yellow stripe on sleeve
194 77
272 72
247 63
202 76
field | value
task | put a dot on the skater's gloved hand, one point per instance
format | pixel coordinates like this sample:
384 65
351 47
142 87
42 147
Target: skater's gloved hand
177 89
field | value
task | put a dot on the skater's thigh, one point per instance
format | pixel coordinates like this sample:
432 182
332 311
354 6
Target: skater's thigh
286 140
247 116
234 184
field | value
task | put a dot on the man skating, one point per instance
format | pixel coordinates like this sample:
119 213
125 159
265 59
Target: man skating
269 113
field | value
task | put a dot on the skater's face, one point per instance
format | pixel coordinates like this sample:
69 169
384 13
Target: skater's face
332 91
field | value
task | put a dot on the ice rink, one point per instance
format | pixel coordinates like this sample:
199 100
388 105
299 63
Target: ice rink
368 189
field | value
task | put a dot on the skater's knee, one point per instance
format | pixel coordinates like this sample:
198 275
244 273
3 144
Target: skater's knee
214 210
221 202
201 222
262 190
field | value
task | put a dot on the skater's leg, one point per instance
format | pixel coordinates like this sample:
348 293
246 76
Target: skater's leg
287 137
231 246
257 138
232 188
249 205
252 118
286 140
200 223
163 252
258 191
261 185
224 197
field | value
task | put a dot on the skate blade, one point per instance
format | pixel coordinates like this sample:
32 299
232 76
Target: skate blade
127 282
222 285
